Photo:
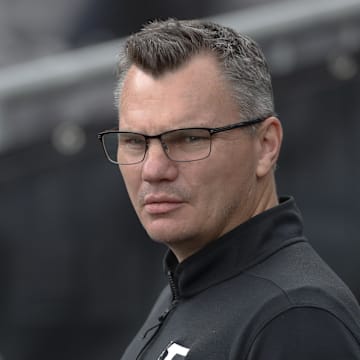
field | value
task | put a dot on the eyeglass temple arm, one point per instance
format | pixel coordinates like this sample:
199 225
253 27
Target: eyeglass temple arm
237 125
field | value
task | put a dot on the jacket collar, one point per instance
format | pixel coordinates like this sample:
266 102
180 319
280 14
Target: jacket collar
246 245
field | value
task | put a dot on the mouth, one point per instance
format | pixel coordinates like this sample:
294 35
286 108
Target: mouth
160 205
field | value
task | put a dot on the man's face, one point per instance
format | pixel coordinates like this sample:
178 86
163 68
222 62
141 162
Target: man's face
187 205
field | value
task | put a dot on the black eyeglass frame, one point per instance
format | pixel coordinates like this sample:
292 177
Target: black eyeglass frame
211 131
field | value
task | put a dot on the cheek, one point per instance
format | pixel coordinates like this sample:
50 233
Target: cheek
229 176
131 179
207 184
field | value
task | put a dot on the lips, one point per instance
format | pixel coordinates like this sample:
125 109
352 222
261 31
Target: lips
161 204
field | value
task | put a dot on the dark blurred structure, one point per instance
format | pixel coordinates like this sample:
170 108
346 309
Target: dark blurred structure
110 19
77 273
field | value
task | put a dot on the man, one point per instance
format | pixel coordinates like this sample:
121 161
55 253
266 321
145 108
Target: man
197 146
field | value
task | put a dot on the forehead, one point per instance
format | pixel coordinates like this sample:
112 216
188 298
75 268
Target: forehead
194 95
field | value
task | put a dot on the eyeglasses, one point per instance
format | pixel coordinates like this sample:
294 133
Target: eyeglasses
181 145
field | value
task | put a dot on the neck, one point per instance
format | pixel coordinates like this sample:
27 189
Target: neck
267 197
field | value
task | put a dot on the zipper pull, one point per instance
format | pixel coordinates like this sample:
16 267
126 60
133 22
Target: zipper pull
157 326
154 329
161 318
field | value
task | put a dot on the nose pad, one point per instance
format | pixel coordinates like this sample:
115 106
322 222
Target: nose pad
165 148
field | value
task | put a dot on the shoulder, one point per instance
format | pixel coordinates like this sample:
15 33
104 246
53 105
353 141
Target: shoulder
305 332
306 309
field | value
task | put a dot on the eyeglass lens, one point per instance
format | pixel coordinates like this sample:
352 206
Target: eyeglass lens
179 145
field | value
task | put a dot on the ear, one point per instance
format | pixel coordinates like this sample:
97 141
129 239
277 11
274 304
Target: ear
269 140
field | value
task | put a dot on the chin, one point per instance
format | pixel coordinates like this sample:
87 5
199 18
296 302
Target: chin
161 226
167 235
163 238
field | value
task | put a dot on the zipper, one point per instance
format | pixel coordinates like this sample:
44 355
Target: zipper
173 287
162 317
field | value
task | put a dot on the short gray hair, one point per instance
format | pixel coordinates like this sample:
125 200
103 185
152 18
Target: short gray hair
163 46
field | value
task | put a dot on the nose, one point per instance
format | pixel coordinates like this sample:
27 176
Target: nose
157 166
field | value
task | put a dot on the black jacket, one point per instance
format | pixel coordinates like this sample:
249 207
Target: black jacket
258 293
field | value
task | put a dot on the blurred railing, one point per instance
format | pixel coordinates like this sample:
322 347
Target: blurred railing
292 33
261 22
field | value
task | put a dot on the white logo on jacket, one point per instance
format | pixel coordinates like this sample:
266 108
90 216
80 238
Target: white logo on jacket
172 350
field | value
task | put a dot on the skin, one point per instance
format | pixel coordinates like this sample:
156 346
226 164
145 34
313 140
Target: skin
188 205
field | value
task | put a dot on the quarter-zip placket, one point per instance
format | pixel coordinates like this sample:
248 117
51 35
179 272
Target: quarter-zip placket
163 316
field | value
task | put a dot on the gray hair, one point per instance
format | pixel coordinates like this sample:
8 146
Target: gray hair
163 46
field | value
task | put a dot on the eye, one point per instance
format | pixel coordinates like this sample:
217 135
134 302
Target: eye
131 141
187 137
191 139
195 137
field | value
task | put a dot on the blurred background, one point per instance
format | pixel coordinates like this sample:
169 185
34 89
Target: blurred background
77 273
